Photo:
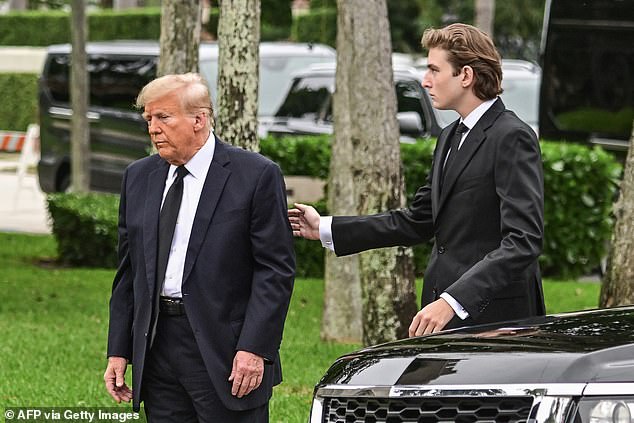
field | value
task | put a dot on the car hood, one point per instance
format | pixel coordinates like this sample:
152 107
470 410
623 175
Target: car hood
595 346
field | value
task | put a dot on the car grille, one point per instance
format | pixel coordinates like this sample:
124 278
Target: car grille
427 410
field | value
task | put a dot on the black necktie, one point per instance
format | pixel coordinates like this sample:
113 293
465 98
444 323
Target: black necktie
453 152
167 223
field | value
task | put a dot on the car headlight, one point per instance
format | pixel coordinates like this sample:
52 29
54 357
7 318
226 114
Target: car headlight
606 410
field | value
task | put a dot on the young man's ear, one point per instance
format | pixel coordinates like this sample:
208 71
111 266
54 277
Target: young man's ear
467 76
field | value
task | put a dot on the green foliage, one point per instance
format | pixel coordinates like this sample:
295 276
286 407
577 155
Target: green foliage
299 155
19 105
580 185
516 29
85 227
318 26
405 30
277 13
592 119
272 27
25 28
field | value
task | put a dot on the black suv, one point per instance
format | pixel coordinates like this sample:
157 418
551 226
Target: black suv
566 368
118 70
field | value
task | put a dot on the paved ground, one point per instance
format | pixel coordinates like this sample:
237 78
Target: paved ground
22 204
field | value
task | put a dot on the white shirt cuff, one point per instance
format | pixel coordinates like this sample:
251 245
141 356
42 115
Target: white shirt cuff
457 308
325 232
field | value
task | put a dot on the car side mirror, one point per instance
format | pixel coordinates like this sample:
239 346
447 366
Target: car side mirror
410 123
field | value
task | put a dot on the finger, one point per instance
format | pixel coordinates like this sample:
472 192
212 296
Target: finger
235 388
429 328
413 326
253 382
244 387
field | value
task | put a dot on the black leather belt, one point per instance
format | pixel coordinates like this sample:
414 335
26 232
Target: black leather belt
170 306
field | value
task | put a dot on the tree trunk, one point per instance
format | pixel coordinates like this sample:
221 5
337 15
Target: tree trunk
484 15
180 36
366 174
618 282
238 57
80 130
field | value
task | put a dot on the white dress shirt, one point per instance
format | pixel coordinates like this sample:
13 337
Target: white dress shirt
193 182
325 222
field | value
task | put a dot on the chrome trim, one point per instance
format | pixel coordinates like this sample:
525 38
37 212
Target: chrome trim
404 391
65 113
613 144
612 388
551 409
316 411
551 402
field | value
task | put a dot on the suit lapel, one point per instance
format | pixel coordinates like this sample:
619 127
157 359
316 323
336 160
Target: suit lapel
209 197
155 188
471 144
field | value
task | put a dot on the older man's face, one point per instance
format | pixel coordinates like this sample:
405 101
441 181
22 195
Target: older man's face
174 133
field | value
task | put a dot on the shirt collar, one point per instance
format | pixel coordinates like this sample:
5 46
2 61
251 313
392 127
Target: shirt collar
473 117
198 165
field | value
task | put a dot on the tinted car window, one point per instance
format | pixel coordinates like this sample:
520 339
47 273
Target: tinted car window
409 96
588 71
114 82
308 98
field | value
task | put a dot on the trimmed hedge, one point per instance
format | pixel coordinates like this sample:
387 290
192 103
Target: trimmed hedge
85 228
580 185
27 28
18 107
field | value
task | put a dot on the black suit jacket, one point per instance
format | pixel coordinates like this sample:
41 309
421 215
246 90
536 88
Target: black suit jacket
487 223
239 267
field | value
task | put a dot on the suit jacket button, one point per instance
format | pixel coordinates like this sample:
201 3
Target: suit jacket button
441 249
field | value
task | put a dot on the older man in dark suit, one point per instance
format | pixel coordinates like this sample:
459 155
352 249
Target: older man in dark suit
482 204
206 269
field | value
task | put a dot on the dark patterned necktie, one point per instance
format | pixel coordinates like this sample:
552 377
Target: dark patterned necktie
167 223
453 152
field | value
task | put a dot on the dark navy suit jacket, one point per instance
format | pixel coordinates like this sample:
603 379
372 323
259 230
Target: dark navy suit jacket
239 267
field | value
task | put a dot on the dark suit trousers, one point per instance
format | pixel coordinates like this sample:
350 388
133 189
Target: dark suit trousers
176 385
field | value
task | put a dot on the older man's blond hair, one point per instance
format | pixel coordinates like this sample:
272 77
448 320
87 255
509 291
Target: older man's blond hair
192 91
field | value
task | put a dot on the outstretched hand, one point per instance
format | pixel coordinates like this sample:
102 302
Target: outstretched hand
304 221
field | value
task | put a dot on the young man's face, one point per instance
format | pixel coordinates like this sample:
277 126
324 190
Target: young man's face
445 89
173 131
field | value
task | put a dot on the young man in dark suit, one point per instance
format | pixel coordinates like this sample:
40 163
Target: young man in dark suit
482 203
206 269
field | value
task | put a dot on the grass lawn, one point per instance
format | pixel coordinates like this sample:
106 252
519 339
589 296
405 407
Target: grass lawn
53 323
